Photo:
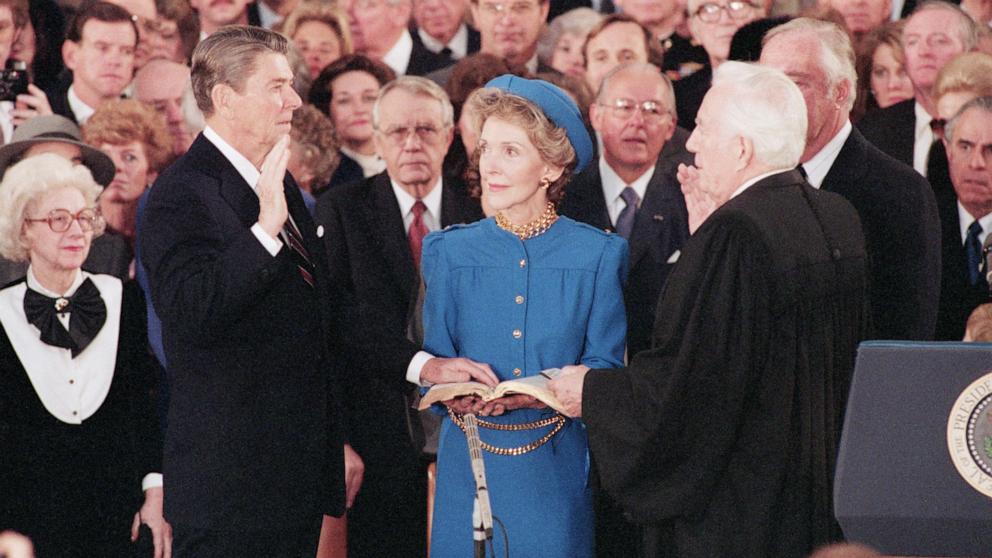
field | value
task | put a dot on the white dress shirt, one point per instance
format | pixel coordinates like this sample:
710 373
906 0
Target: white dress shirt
398 57
71 389
431 217
965 220
613 185
458 45
82 111
819 165
251 175
267 16
923 139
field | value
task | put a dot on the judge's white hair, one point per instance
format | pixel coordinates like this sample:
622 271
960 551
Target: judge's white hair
765 107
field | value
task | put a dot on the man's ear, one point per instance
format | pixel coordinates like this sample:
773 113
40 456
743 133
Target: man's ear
595 116
744 151
69 50
220 97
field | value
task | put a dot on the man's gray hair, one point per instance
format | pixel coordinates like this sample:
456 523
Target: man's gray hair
416 85
767 108
836 52
668 96
981 103
228 56
967 30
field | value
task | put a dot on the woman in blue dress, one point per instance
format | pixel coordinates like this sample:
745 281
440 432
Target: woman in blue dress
506 298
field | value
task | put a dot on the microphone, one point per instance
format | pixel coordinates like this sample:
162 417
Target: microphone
987 261
482 514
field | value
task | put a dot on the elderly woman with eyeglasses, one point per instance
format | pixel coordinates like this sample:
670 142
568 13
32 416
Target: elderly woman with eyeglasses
80 444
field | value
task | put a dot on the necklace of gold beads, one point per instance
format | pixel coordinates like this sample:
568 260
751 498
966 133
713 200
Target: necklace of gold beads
532 229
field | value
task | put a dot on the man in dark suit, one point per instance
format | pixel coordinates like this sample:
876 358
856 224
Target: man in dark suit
895 204
99 49
440 26
721 438
373 234
380 30
935 33
633 191
967 219
238 276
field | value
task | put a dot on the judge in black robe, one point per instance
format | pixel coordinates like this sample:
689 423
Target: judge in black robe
721 438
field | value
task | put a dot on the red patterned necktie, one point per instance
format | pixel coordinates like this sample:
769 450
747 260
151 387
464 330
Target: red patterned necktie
295 241
418 230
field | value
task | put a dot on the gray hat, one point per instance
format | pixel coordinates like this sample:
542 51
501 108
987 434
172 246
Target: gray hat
52 127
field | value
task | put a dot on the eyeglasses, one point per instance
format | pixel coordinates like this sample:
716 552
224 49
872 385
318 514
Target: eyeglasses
937 126
498 9
399 134
59 220
736 9
651 111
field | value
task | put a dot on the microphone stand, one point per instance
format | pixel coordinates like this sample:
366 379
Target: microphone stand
482 515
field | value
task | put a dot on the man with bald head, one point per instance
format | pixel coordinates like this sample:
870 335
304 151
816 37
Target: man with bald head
934 34
162 84
895 204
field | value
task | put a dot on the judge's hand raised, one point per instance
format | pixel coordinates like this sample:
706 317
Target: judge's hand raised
272 211
567 387
697 201
451 370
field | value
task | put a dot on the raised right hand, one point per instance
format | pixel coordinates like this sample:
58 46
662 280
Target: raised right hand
451 370
698 201
272 210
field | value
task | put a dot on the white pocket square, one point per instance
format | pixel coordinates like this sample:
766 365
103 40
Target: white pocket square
320 231
674 257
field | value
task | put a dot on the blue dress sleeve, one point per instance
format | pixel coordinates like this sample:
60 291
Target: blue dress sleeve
606 334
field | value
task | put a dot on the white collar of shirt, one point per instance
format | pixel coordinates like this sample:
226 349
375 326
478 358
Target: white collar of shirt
819 165
458 43
398 57
241 163
82 111
922 138
267 16
754 180
613 185
965 220
532 64
432 218
371 164
71 389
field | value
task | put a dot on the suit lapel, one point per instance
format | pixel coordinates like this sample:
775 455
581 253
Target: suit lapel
849 166
233 188
388 233
456 205
662 204
585 200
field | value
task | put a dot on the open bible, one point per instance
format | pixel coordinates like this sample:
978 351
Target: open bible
534 386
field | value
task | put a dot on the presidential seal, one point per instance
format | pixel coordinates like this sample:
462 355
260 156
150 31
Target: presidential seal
969 434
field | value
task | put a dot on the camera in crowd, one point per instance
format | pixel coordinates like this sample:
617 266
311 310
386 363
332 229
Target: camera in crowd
13 80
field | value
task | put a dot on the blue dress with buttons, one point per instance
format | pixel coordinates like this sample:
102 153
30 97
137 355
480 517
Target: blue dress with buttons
521 307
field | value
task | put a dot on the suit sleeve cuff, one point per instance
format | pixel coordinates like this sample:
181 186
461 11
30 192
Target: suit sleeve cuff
152 480
416 366
271 245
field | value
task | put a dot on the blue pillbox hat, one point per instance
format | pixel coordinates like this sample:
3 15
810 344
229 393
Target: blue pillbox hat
557 106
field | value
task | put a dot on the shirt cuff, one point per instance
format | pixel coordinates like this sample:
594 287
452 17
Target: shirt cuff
152 480
416 366
271 245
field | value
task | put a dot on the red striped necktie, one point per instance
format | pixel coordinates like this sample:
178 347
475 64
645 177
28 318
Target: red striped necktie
295 241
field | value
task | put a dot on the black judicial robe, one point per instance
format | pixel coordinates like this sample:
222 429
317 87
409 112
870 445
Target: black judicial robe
721 438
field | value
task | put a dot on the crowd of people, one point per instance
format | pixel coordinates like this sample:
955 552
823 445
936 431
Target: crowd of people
241 239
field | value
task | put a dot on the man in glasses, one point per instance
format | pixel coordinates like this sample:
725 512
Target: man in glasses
713 24
373 235
896 205
633 192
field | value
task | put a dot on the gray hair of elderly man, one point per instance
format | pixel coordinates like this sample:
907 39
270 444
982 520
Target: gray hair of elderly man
228 56
836 51
767 108
416 85
27 181
980 103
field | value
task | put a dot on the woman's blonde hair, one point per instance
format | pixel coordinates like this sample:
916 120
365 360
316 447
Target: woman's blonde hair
552 143
27 181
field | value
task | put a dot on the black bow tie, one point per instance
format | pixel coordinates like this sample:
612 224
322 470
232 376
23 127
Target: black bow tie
88 315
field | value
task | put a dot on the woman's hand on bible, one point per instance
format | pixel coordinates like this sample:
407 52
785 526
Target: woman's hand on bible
499 406
465 404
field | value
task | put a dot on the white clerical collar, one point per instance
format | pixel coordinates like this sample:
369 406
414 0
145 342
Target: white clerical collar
79 108
458 43
398 57
266 15
33 283
965 220
752 181
819 165
241 163
432 200
613 184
